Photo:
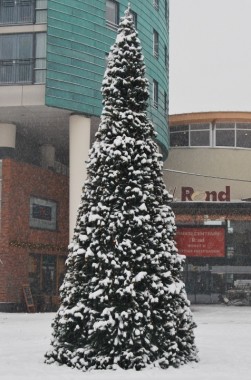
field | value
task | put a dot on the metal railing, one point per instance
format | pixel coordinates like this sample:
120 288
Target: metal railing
18 12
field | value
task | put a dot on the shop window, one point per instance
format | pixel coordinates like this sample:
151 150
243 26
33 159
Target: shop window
243 135
43 214
221 135
240 242
155 94
46 273
112 13
20 63
200 135
179 135
155 44
225 134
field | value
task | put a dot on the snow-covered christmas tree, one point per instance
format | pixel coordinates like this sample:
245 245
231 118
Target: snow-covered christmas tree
123 303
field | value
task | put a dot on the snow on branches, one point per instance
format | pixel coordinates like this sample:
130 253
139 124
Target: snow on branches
123 303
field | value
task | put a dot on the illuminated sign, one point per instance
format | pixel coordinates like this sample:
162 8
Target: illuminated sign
43 214
201 241
188 194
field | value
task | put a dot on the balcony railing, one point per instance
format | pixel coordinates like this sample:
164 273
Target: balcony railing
17 12
22 71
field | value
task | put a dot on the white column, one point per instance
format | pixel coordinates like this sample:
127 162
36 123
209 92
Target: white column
7 135
80 129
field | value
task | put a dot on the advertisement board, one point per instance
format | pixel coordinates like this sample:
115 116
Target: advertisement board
201 241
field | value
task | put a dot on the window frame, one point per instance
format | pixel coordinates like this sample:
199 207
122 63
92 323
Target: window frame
112 24
165 103
156 4
41 10
166 57
135 18
17 19
192 128
155 96
43 223
155 44
224 127
166 10
13 67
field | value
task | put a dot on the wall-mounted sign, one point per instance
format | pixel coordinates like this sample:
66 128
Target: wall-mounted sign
201 241
189 194
43 213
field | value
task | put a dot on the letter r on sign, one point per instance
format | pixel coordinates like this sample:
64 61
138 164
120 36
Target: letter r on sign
186 193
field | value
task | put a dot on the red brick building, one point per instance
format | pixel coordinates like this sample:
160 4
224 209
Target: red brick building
34 233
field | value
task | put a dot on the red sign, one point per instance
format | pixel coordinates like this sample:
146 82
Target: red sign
201 241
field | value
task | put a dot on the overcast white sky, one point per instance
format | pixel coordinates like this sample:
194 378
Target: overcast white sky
210 55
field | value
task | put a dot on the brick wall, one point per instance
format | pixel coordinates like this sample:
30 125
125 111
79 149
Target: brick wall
17 238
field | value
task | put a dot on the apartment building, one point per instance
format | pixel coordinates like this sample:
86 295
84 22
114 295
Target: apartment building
53 55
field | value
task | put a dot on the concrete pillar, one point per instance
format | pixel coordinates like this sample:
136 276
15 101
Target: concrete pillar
80 130
7 135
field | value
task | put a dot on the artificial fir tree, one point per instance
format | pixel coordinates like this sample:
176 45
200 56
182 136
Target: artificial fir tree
122 300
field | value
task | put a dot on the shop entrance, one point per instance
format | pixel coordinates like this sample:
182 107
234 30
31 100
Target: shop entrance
45 277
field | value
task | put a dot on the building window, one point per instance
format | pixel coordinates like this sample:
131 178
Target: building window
155 44
179 135
43 214
40 58
243 135
112 13
156 4
194 135
23 11
134 17
232 135
166 10
165 103
155 93
166 57
41 11
200 135
225 134
22 58
16 11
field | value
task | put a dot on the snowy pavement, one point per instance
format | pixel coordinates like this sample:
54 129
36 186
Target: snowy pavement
223 337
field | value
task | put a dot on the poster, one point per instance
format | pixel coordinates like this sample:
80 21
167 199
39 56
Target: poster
201 241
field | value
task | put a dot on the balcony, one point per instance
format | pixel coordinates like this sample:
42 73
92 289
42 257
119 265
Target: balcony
22 71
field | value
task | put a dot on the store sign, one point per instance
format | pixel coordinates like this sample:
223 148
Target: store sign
43 214
201 241
189 194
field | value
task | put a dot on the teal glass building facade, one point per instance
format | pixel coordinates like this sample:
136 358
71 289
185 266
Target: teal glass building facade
79 36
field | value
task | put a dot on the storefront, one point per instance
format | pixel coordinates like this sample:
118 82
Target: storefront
208 174
216 240
34 236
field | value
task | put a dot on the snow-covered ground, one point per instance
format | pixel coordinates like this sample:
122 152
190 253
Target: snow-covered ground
223 337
